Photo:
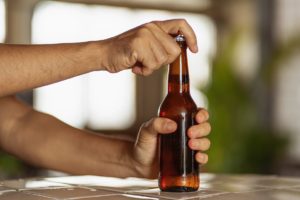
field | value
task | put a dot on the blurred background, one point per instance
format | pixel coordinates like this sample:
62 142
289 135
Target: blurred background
247 74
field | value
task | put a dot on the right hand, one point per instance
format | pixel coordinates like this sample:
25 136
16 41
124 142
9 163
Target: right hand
145 155
147 47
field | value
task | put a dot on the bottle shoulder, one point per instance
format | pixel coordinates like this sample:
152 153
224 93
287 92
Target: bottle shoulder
175 104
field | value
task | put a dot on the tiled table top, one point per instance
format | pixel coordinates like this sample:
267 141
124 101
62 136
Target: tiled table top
213 187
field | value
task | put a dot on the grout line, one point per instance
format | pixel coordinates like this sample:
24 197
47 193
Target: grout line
91 196
39 195
258 190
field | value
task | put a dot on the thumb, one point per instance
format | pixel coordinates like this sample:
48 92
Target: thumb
158 125
137 70
146 143
147 135
132 58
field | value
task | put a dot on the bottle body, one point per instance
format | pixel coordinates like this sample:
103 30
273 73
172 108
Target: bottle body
178 167
179 171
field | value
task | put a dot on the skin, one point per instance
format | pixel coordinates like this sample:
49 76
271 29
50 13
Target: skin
44 141
142 49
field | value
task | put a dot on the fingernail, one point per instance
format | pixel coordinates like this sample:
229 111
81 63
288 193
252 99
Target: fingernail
170 126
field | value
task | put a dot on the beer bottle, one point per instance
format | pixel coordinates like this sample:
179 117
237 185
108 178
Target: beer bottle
178 168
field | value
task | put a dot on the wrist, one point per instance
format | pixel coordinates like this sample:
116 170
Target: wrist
129 160
95 52
143 170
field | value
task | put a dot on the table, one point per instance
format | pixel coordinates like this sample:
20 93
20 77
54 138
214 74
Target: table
213 187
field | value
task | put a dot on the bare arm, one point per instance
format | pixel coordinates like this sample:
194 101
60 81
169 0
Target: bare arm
44 141
28 66
142 49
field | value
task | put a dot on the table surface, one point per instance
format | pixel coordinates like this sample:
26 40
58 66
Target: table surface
213 187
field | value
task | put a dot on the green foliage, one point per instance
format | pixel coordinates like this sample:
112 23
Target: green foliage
240 143
10 166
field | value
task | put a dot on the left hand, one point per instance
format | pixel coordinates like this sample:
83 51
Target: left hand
147 47
145 149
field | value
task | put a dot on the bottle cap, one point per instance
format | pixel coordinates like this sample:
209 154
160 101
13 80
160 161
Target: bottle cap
180 38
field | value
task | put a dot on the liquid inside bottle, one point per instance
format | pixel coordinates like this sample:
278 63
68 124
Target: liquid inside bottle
179 171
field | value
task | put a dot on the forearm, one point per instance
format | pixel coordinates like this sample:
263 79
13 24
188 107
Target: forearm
44 141
29 66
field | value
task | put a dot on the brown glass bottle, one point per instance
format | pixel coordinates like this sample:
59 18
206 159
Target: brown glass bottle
179 171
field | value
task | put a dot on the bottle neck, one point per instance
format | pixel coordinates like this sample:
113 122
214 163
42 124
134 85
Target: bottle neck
178 80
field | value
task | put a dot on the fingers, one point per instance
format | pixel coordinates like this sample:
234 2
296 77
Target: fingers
199 130
146 144
202 115
169 44
161 47
196 134
201 158
159 57
203 128
151 51
146 48
159 125
149 131
181 26
137 70
200 144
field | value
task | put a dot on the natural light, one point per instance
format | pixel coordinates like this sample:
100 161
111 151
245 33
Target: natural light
102 100
2 20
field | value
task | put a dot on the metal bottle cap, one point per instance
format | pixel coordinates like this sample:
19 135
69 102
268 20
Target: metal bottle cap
180 38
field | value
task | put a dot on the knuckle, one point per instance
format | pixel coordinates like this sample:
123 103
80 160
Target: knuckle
162 59
135 43
182 22
151 65
146 125
150 25
156 123
156 22
149 126
131 58
143 31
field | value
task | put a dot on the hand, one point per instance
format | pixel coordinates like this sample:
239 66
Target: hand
147 47
145 150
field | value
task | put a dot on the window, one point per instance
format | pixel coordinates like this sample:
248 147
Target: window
2 20
101 100
92 99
